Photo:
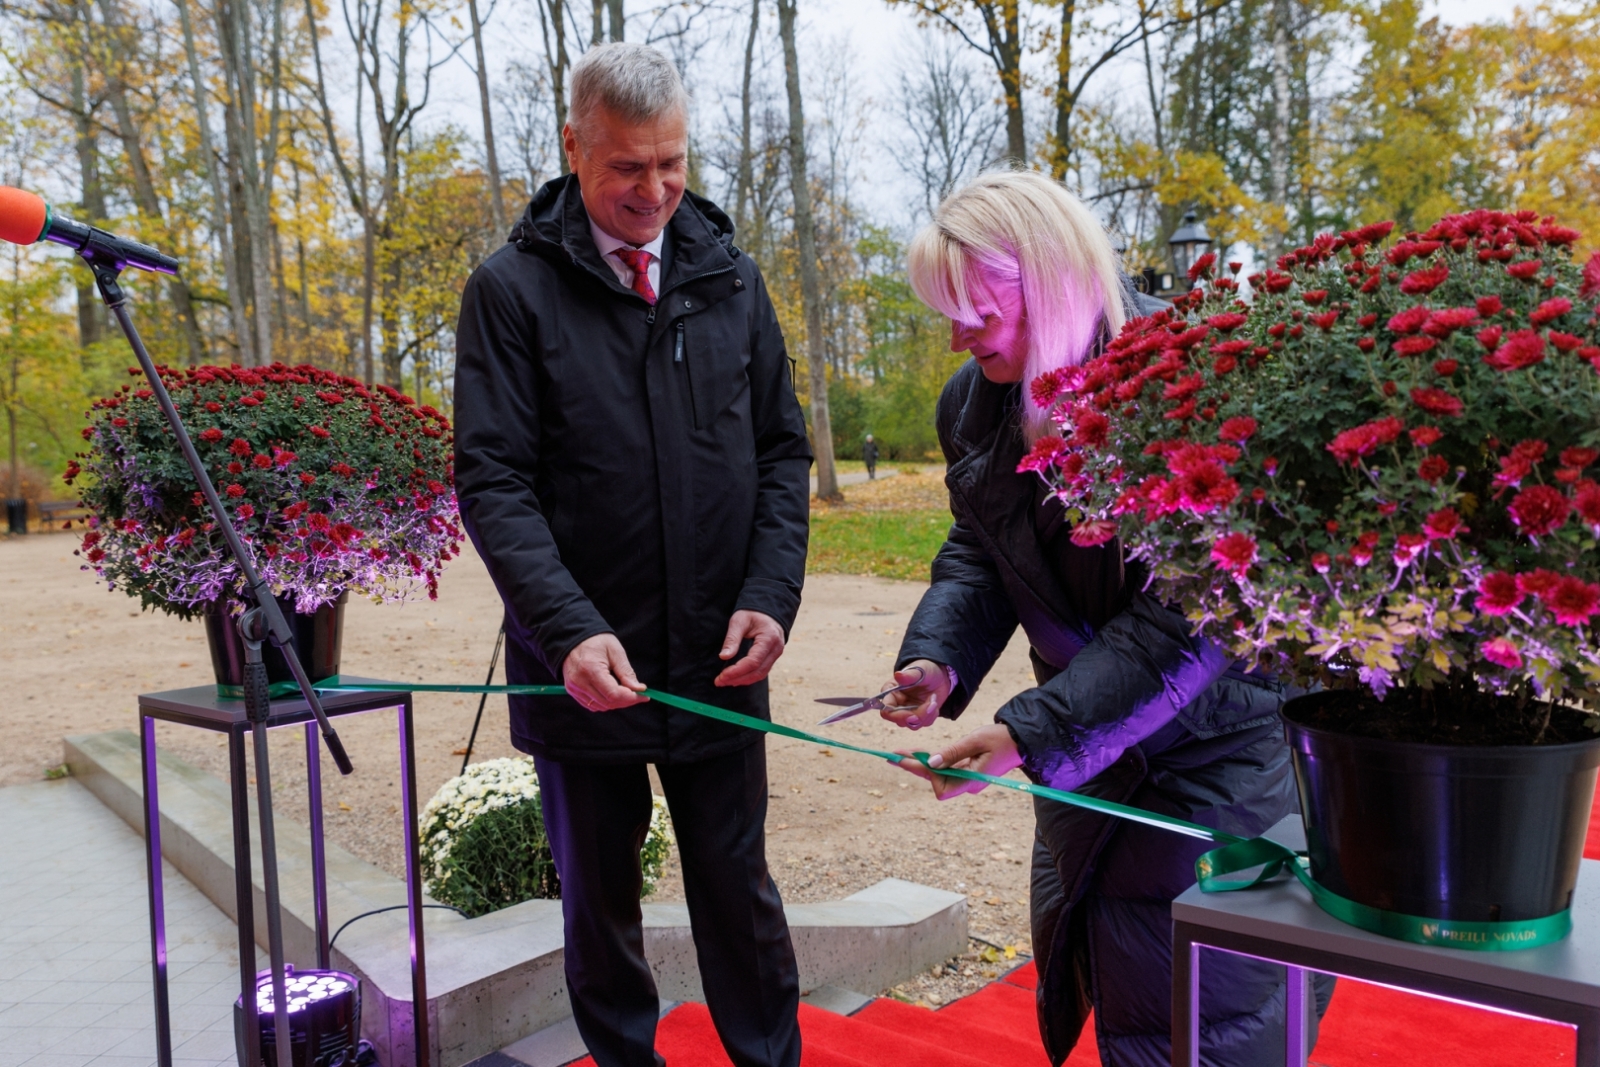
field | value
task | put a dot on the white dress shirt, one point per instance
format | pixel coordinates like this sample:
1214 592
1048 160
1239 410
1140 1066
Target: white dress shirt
607 244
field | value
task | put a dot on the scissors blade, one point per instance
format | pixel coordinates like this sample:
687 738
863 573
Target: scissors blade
842 702
852 711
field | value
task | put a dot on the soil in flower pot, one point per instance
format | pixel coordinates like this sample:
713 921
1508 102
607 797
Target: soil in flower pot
317 637
1471 812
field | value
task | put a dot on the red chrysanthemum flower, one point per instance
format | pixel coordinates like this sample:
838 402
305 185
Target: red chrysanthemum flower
211 435
240 447
1424 436
1424 281
1043 455
1489 305
1437 402
1526 270
1443 525
1444 368
1227 321
1325 320
1408 547
1572 601
1587 503
1314 297
1047 386
1498 593
1502 652
1433 468
1094 532
1579 457
234 490
1537 582
1550 310
1239 428
1410 320
1090 428
1414 346
1320 562
1234 553
1349 445
1522 349
1539 510
1443 323
1565 342
1590 286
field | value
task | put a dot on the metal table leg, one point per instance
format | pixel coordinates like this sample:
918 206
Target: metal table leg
419 973
158 906
319 860
244 891
1298 1006
1185 998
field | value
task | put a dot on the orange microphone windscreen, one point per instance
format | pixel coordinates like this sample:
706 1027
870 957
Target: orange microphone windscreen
22 216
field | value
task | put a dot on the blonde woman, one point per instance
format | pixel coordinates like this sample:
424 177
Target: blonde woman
1129 705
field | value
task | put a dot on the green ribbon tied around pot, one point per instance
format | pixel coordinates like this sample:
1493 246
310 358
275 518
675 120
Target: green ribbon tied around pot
1213 870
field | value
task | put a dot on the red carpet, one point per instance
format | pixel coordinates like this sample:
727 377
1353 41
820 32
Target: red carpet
1366 1026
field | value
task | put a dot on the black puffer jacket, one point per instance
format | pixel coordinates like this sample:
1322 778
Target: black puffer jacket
628 469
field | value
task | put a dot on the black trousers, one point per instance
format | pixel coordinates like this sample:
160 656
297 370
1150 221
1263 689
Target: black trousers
597 817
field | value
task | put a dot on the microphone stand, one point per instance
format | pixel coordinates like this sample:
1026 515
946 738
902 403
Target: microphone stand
263 622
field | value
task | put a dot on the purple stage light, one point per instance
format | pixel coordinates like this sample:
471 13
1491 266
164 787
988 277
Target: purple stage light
324 1018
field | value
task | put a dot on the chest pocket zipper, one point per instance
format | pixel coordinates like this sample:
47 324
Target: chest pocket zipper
697 403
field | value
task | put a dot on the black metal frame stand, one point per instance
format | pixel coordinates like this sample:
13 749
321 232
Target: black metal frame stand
202 708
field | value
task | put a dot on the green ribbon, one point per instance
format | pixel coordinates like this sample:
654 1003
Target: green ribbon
1212 869
275 691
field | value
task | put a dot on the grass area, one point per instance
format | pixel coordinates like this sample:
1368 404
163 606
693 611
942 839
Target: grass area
889 544
890 528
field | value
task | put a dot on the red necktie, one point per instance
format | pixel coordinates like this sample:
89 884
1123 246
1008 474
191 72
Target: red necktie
638 261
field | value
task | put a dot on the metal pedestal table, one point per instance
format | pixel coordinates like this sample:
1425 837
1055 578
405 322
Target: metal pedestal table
1278 922
203 708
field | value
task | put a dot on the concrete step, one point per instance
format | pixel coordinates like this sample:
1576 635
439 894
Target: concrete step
498 978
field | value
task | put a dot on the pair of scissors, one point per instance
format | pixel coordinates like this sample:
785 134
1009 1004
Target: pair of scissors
856 705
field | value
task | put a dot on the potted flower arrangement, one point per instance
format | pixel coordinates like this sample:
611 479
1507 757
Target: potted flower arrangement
335 486
1378 477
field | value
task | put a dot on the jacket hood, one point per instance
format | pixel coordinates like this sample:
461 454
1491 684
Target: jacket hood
552 216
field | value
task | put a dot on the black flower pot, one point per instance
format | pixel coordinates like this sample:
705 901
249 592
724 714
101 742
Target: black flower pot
1462 832
317 637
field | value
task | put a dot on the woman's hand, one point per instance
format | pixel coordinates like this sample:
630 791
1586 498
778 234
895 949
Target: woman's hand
989 749
917 705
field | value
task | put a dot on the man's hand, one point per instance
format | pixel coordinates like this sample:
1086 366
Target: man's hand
766 645
919 705
989 749
598 676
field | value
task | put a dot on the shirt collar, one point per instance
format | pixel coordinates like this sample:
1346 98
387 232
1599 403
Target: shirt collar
608 244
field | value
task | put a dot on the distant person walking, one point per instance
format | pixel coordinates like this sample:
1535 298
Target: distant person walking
869 452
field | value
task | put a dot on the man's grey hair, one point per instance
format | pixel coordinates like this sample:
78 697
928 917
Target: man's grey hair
634 82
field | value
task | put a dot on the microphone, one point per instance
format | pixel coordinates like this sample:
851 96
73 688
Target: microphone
25 219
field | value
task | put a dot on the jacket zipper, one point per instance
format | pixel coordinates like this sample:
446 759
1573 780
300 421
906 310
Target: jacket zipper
677 346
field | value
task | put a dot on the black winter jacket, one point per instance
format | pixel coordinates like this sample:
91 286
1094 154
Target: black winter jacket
1115 664
629 469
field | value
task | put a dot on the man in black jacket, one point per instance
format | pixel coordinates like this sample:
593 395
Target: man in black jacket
632 465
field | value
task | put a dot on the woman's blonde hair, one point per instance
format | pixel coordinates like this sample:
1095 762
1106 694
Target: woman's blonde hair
1019 225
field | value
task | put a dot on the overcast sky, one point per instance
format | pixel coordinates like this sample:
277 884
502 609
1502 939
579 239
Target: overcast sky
873 35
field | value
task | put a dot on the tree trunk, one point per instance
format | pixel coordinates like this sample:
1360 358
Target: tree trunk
597 27
1066 100
91 313
615 7
553 27
810 273
233 38
1279 143
496 197
219 199
745 180
1008 47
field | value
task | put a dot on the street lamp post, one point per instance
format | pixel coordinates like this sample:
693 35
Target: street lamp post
1188 243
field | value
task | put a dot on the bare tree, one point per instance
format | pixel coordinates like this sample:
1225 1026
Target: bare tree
553 28
950 121
527 105
1278 142
810 272
744 177
496 198
1000 36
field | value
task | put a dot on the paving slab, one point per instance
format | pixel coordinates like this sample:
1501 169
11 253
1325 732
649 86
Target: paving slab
75 979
